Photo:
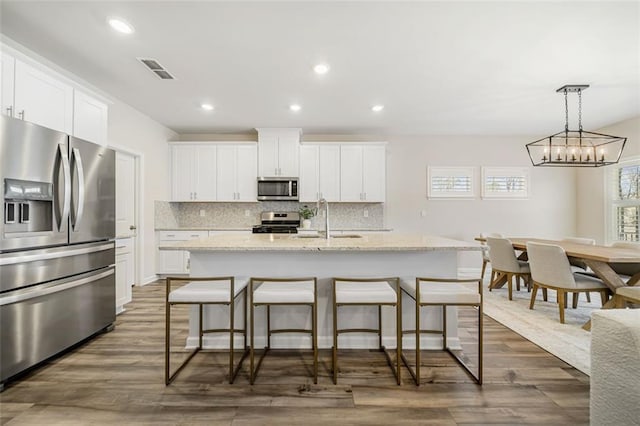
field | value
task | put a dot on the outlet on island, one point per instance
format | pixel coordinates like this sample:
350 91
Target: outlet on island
365 213
202 213
247 213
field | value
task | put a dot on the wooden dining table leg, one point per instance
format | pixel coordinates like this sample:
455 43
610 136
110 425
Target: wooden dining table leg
610 278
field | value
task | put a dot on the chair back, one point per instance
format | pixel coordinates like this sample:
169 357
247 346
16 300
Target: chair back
485 253
549 265
502 255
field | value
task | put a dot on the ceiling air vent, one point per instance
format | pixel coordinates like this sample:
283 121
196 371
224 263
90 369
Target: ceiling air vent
156 68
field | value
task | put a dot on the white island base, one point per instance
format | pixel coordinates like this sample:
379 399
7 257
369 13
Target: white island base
214 257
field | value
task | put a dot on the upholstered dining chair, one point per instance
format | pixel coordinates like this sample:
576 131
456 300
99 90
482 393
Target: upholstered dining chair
485 254
503 260
578 265
550 269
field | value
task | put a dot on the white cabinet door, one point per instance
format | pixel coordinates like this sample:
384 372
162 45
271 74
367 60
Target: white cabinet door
172 262
329 172
319 172
288 153
267 154
42 99
237 166
309 184
7 80
205 173
374 173
89 118
182 172
226 173
246 172
350 173
278 152
124 272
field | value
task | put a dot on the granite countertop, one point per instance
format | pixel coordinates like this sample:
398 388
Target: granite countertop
208 228
292 242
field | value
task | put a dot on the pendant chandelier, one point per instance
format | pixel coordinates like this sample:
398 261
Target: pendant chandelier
576 148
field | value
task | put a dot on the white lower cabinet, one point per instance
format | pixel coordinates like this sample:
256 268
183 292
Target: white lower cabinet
175 261
124 272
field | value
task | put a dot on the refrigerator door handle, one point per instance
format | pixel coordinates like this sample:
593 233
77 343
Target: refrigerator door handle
77 217
31 294
66 170
15 258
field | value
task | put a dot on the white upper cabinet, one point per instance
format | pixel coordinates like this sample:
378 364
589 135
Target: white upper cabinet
237 172
193 176
362 173
319 172
89 118
7 80
42 99
278 152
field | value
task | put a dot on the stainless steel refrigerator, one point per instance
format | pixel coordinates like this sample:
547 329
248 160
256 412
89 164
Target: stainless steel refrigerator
57 249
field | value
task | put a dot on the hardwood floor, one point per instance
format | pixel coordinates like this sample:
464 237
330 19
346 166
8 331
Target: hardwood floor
117 378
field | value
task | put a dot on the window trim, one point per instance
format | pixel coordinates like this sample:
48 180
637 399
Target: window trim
457 171
509 171
611 201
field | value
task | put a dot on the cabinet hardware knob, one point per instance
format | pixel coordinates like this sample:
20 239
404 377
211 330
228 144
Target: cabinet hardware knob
10 111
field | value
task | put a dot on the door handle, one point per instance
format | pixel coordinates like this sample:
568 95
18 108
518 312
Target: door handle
66 171
77 217
133 227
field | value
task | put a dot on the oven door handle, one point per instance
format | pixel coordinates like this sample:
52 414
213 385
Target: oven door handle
53 288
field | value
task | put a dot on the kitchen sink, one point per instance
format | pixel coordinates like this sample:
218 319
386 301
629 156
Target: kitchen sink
347 236
308 236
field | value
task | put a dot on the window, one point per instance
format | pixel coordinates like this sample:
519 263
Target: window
450 182
624 210
505 182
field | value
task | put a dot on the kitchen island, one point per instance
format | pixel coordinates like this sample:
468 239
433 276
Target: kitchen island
350 255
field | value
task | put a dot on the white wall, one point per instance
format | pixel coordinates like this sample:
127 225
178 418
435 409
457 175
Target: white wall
591 183
549 211
135 132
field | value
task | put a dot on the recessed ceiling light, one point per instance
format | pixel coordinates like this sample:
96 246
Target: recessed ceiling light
295 107
207 107
377 108
321 69
120 25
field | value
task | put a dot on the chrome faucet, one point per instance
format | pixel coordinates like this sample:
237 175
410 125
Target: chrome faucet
324 202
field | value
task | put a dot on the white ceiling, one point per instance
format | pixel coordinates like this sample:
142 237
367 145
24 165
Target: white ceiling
479 68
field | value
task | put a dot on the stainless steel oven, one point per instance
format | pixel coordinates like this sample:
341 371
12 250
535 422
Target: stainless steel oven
277 189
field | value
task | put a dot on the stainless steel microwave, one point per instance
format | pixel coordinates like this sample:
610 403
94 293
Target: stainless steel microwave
277 189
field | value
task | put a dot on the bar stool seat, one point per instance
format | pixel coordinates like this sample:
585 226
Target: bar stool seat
279 292
206 291
443 292
283 292
368 292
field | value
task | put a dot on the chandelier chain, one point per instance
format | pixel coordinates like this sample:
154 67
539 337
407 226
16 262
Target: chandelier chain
566 112
580 110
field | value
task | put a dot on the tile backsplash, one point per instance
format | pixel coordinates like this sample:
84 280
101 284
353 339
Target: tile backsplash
170 215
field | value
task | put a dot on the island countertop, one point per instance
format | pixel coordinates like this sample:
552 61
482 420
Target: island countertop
295 242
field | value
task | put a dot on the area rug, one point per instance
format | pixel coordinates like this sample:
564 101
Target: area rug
568 341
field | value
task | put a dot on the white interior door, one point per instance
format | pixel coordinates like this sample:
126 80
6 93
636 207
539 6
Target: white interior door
125 195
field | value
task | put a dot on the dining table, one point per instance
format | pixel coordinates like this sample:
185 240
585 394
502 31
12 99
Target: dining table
615 266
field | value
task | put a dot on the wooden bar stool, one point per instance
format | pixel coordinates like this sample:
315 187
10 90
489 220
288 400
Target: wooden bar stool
368 292
206 291
284 292
443 292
